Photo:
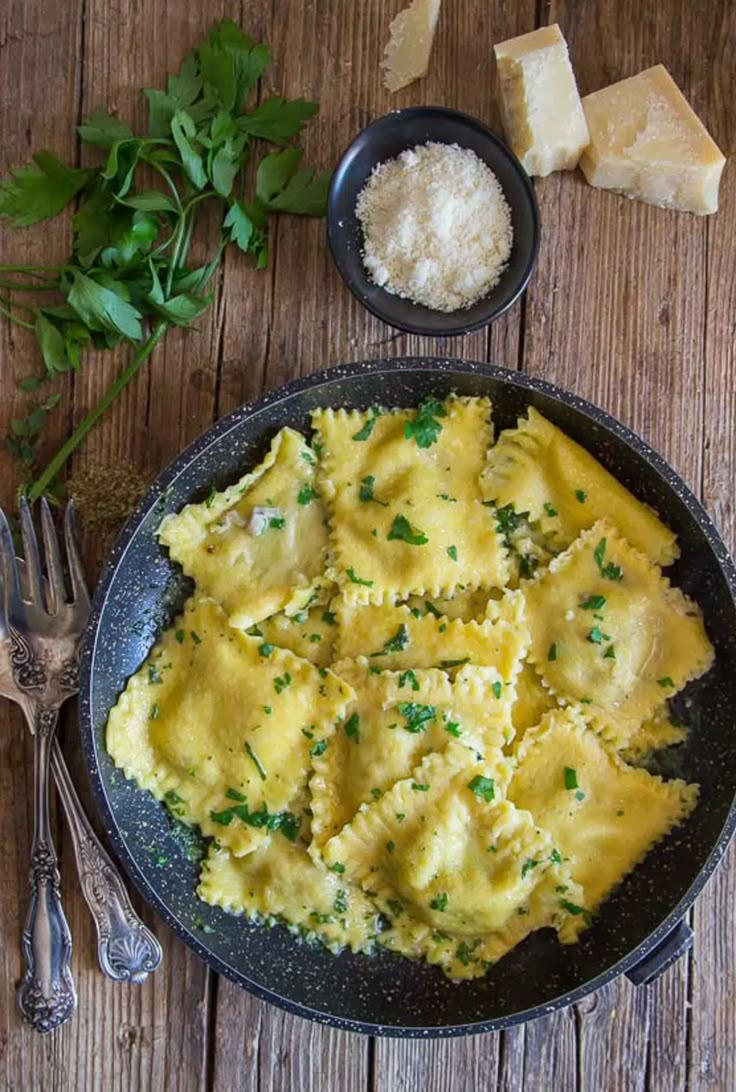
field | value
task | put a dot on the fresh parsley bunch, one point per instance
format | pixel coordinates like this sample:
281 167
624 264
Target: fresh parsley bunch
127 278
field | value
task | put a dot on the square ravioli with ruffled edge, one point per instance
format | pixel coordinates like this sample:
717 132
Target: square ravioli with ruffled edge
611 633
259 546
603 815
281 880
223 726
395 718
398 637
402 490
462 874
537 471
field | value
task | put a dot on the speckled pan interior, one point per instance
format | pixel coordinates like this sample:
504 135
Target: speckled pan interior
140 592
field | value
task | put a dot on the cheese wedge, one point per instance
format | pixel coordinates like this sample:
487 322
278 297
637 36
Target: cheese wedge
540 105
647 143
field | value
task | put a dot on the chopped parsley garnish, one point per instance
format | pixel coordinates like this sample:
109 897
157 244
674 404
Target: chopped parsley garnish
452 552
593 602
454 663
425 428
550 510
352 727
397 643
607 569
282 682
417 787
366 491
597 636
403 531
180 636
665 681
265 649
496 688
408 677
571 778
338 867
439 902
581 495
417 716
153 715
390 846
552 652
196 638
483 787
610 653
365 432
527 866
277 523
306 495
356 579
319 748
256 761
341 903
432 609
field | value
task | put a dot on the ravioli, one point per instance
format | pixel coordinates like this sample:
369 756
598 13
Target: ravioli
405 508
281 880
395 638
540 471
443 851
609 632
223 728
394 720
259 546
602 814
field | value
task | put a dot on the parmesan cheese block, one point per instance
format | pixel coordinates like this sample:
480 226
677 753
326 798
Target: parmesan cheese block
646 142
540 105
406 56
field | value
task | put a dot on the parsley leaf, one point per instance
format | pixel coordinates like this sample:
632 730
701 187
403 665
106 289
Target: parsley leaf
403 531
425 428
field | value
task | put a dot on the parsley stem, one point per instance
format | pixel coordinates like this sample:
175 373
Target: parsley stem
14 318
42 483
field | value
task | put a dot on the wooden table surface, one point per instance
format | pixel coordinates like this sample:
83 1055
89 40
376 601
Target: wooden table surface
632 307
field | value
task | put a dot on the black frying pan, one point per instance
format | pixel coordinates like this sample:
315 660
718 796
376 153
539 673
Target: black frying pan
639 930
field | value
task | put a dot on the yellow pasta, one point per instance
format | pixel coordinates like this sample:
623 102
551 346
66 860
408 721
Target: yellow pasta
394 720
406 512
540 471
602 814
259 546
609 632
222 728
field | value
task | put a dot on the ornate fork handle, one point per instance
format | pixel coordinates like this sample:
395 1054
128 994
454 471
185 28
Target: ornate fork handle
46 994
126 950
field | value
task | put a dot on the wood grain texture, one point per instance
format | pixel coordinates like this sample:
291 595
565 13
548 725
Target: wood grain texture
632 307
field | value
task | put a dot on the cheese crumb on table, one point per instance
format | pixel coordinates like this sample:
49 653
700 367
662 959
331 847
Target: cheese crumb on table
436 226
540 106
407 53
647 142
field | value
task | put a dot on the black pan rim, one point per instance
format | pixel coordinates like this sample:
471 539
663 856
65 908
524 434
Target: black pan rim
457 328
162 483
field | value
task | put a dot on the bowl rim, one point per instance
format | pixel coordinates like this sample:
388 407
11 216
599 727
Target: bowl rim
455 329
154 496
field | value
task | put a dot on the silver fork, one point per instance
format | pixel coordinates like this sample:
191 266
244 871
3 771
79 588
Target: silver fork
127 951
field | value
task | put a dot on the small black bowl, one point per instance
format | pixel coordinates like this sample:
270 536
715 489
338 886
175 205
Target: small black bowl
386 139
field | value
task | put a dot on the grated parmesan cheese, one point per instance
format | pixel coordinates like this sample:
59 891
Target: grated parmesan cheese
436 226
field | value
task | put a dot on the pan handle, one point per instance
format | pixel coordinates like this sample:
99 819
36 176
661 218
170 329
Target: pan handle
675 944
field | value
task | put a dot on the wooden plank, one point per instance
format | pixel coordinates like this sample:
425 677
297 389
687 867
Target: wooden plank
712 1061
34 114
